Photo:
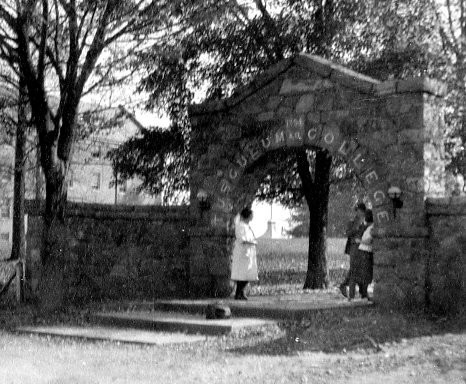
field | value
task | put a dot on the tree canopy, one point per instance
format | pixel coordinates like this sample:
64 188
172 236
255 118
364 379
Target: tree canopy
63 50
215 49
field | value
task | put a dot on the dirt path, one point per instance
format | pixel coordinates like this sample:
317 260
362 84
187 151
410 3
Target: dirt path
360 346
438 359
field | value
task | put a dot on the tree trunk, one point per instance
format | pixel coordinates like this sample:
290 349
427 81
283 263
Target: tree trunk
37 174
317 195
19 242
53 284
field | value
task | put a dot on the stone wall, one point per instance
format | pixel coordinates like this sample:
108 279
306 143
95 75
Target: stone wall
119 251
446 267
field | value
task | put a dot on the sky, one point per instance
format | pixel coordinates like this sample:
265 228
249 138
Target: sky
280 216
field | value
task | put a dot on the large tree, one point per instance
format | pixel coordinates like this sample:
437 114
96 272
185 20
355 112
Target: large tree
420 38
64 50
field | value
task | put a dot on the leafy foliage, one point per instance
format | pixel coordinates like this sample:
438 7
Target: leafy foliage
420 38
214 47
158 156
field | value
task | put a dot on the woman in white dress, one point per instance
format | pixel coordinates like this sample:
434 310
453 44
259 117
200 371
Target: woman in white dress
244 263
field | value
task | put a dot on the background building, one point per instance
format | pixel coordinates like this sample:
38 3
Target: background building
91 178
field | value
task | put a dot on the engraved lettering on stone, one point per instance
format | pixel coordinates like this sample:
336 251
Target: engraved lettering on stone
358 160
279 137
312 134
225 187
225 204
329 138
233 173
383 216
294 136
293 124
253 152
266 143
372 177
344 148
242 161
379 196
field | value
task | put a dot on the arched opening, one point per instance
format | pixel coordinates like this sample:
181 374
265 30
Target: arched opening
239 176
283 261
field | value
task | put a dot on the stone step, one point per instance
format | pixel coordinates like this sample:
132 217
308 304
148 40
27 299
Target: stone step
278 308
132 336
178 322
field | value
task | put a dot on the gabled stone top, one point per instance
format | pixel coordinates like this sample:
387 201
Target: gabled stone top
327 70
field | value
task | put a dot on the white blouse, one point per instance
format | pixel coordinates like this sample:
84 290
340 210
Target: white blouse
366 239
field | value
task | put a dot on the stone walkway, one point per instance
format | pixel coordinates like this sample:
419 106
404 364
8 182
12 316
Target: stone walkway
289 306
178 322
183 321
133 336
294 306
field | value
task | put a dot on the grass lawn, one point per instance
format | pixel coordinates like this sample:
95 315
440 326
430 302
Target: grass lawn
282 264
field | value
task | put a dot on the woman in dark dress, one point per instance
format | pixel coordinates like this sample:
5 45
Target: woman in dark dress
361 270
354 231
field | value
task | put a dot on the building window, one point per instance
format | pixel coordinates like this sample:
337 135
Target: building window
96 151
71 179
5 236
122 187
95 181
5 209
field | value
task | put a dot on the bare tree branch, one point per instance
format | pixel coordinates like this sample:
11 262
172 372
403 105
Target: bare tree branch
96 47
83 43
7 17
43 41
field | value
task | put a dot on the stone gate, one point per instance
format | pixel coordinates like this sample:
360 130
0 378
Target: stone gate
391 133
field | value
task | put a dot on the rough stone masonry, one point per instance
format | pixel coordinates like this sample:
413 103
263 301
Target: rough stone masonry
391 133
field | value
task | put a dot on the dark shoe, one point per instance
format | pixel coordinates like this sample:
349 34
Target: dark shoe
242 297
343 290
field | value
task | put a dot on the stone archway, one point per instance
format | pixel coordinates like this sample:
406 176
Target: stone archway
390 133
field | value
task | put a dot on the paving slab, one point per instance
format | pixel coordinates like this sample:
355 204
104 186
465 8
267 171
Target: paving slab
180 322
133 336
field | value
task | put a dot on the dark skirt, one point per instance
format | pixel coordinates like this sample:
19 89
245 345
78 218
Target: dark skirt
361 266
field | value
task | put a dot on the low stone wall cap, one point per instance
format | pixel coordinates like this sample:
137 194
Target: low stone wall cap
412 85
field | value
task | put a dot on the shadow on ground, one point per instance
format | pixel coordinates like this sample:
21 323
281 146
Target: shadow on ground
340 331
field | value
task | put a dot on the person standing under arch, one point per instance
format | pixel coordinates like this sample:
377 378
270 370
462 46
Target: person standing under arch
361 272
354 231
244 259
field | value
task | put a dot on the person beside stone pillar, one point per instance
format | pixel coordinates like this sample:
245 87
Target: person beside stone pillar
361 272
354 231
244 259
